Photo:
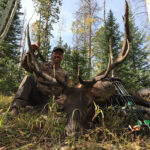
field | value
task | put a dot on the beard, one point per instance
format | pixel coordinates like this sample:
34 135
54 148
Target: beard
57 60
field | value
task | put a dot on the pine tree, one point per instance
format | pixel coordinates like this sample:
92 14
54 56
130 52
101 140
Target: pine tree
60 42
84 27
135 70
48 10
102 41
10 75
10 44
73 60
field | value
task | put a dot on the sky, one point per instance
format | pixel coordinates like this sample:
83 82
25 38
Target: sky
67 11
148 8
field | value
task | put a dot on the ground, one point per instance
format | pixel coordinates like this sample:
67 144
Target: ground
44 130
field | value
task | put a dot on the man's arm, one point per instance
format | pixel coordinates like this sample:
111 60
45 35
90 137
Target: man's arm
67 79
24 63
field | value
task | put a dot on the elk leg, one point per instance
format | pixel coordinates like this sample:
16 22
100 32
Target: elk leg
140 101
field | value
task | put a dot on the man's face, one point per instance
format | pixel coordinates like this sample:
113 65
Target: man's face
56 57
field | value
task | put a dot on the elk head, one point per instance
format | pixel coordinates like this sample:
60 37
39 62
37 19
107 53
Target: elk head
78 102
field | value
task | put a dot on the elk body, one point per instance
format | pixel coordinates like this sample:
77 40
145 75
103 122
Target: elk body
78 102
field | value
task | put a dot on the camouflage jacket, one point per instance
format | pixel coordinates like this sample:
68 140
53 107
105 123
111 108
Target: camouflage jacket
48 68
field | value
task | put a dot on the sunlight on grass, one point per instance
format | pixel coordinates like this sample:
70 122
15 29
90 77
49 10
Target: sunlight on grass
5 100
44 129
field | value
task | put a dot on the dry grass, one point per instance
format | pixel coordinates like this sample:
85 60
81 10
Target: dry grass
44 130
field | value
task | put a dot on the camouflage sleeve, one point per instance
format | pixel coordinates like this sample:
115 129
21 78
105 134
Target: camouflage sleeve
66 78
24 63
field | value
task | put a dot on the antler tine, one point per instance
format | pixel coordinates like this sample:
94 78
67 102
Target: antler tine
98 78
123 53
87 82
31 50
126 30
125 47
36 67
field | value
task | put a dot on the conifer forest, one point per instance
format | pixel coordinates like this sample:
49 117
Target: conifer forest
106 55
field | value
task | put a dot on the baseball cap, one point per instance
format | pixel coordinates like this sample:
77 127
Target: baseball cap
58 49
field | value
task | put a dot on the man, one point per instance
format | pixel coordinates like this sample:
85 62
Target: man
31 91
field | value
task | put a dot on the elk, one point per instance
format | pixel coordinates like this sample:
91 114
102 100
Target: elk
78 102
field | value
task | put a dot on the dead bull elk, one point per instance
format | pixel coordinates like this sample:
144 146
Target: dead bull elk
77 102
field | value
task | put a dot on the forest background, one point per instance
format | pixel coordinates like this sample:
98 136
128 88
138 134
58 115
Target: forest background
94 26
86 29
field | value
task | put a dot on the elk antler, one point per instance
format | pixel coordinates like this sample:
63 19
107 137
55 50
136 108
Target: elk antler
35 67
121 57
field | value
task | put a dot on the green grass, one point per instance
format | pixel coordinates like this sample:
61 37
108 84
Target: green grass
44 130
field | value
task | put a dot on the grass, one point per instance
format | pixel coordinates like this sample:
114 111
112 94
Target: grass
44 130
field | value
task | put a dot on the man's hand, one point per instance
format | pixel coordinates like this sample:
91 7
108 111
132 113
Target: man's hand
24 63
34 46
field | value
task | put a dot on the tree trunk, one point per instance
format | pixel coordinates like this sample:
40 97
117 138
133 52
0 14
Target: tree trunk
46 28
3 34
23 47
21 37
104 14
89 41
111 56
5 14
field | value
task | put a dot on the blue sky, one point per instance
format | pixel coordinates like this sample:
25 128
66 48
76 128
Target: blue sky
67 10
